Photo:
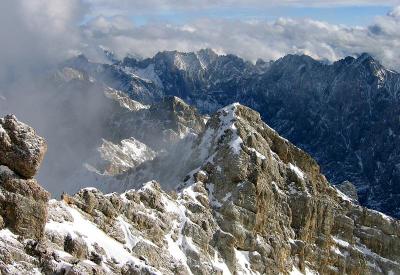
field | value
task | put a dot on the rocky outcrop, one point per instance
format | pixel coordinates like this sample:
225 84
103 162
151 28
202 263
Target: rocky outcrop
20 148
344 114
23 202
253 204
348 189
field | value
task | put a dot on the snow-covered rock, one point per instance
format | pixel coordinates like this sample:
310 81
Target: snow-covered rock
251 203
344 114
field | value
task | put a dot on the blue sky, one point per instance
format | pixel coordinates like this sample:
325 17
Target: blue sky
351 16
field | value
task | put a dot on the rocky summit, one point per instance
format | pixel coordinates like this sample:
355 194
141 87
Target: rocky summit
251 203
345 114
23 201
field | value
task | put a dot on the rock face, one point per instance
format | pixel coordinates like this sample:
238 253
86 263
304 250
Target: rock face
23 202
251 203
140 138
20 148
344 114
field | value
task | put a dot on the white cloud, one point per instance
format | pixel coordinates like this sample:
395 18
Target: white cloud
253 39
37 33
45 30
193 4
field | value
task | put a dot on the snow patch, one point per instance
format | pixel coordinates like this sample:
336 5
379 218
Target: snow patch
213 200
91 234
228 118
258 154
147 74
297 170
243 261
343 196
129 154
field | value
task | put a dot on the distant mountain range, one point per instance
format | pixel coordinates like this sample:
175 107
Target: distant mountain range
345 114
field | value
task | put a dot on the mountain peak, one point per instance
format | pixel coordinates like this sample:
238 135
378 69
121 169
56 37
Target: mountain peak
253 204
368 59
365 56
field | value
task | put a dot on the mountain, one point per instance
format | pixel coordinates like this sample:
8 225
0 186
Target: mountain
253 204
345 114
94 131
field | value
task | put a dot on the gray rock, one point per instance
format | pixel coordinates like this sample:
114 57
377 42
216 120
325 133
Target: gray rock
20 148
348 189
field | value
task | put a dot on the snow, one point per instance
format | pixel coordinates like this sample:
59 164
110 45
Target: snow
188 244
203 66
336 250
297 170
363 249
8 236
220 264
212 137
278 189
90 189
2 131
176 252
206 140
343 196
340 242
310 271
213 201
203 173
386 217
130 240
183 243
147 74
258 154
227 196
228 118
177 248
191 193
129 154
124 100
243 261
296 271
91 234
179 62
366 251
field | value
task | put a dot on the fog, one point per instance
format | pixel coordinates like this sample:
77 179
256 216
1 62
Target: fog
36 36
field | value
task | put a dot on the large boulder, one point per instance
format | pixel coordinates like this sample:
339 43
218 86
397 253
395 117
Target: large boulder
23 202
20 148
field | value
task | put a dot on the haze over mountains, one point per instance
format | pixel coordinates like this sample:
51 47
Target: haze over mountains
251 203
344 114
199 137
223 192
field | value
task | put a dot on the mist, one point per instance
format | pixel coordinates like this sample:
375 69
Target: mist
39 35
36 37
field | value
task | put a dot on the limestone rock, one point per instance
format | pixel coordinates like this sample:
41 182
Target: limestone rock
252 203
348 189
23 202
20 148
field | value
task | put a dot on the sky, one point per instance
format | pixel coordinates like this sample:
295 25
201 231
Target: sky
52 30
36 35
349 15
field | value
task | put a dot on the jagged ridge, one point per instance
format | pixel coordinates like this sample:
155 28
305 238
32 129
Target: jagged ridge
344 114
255 204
